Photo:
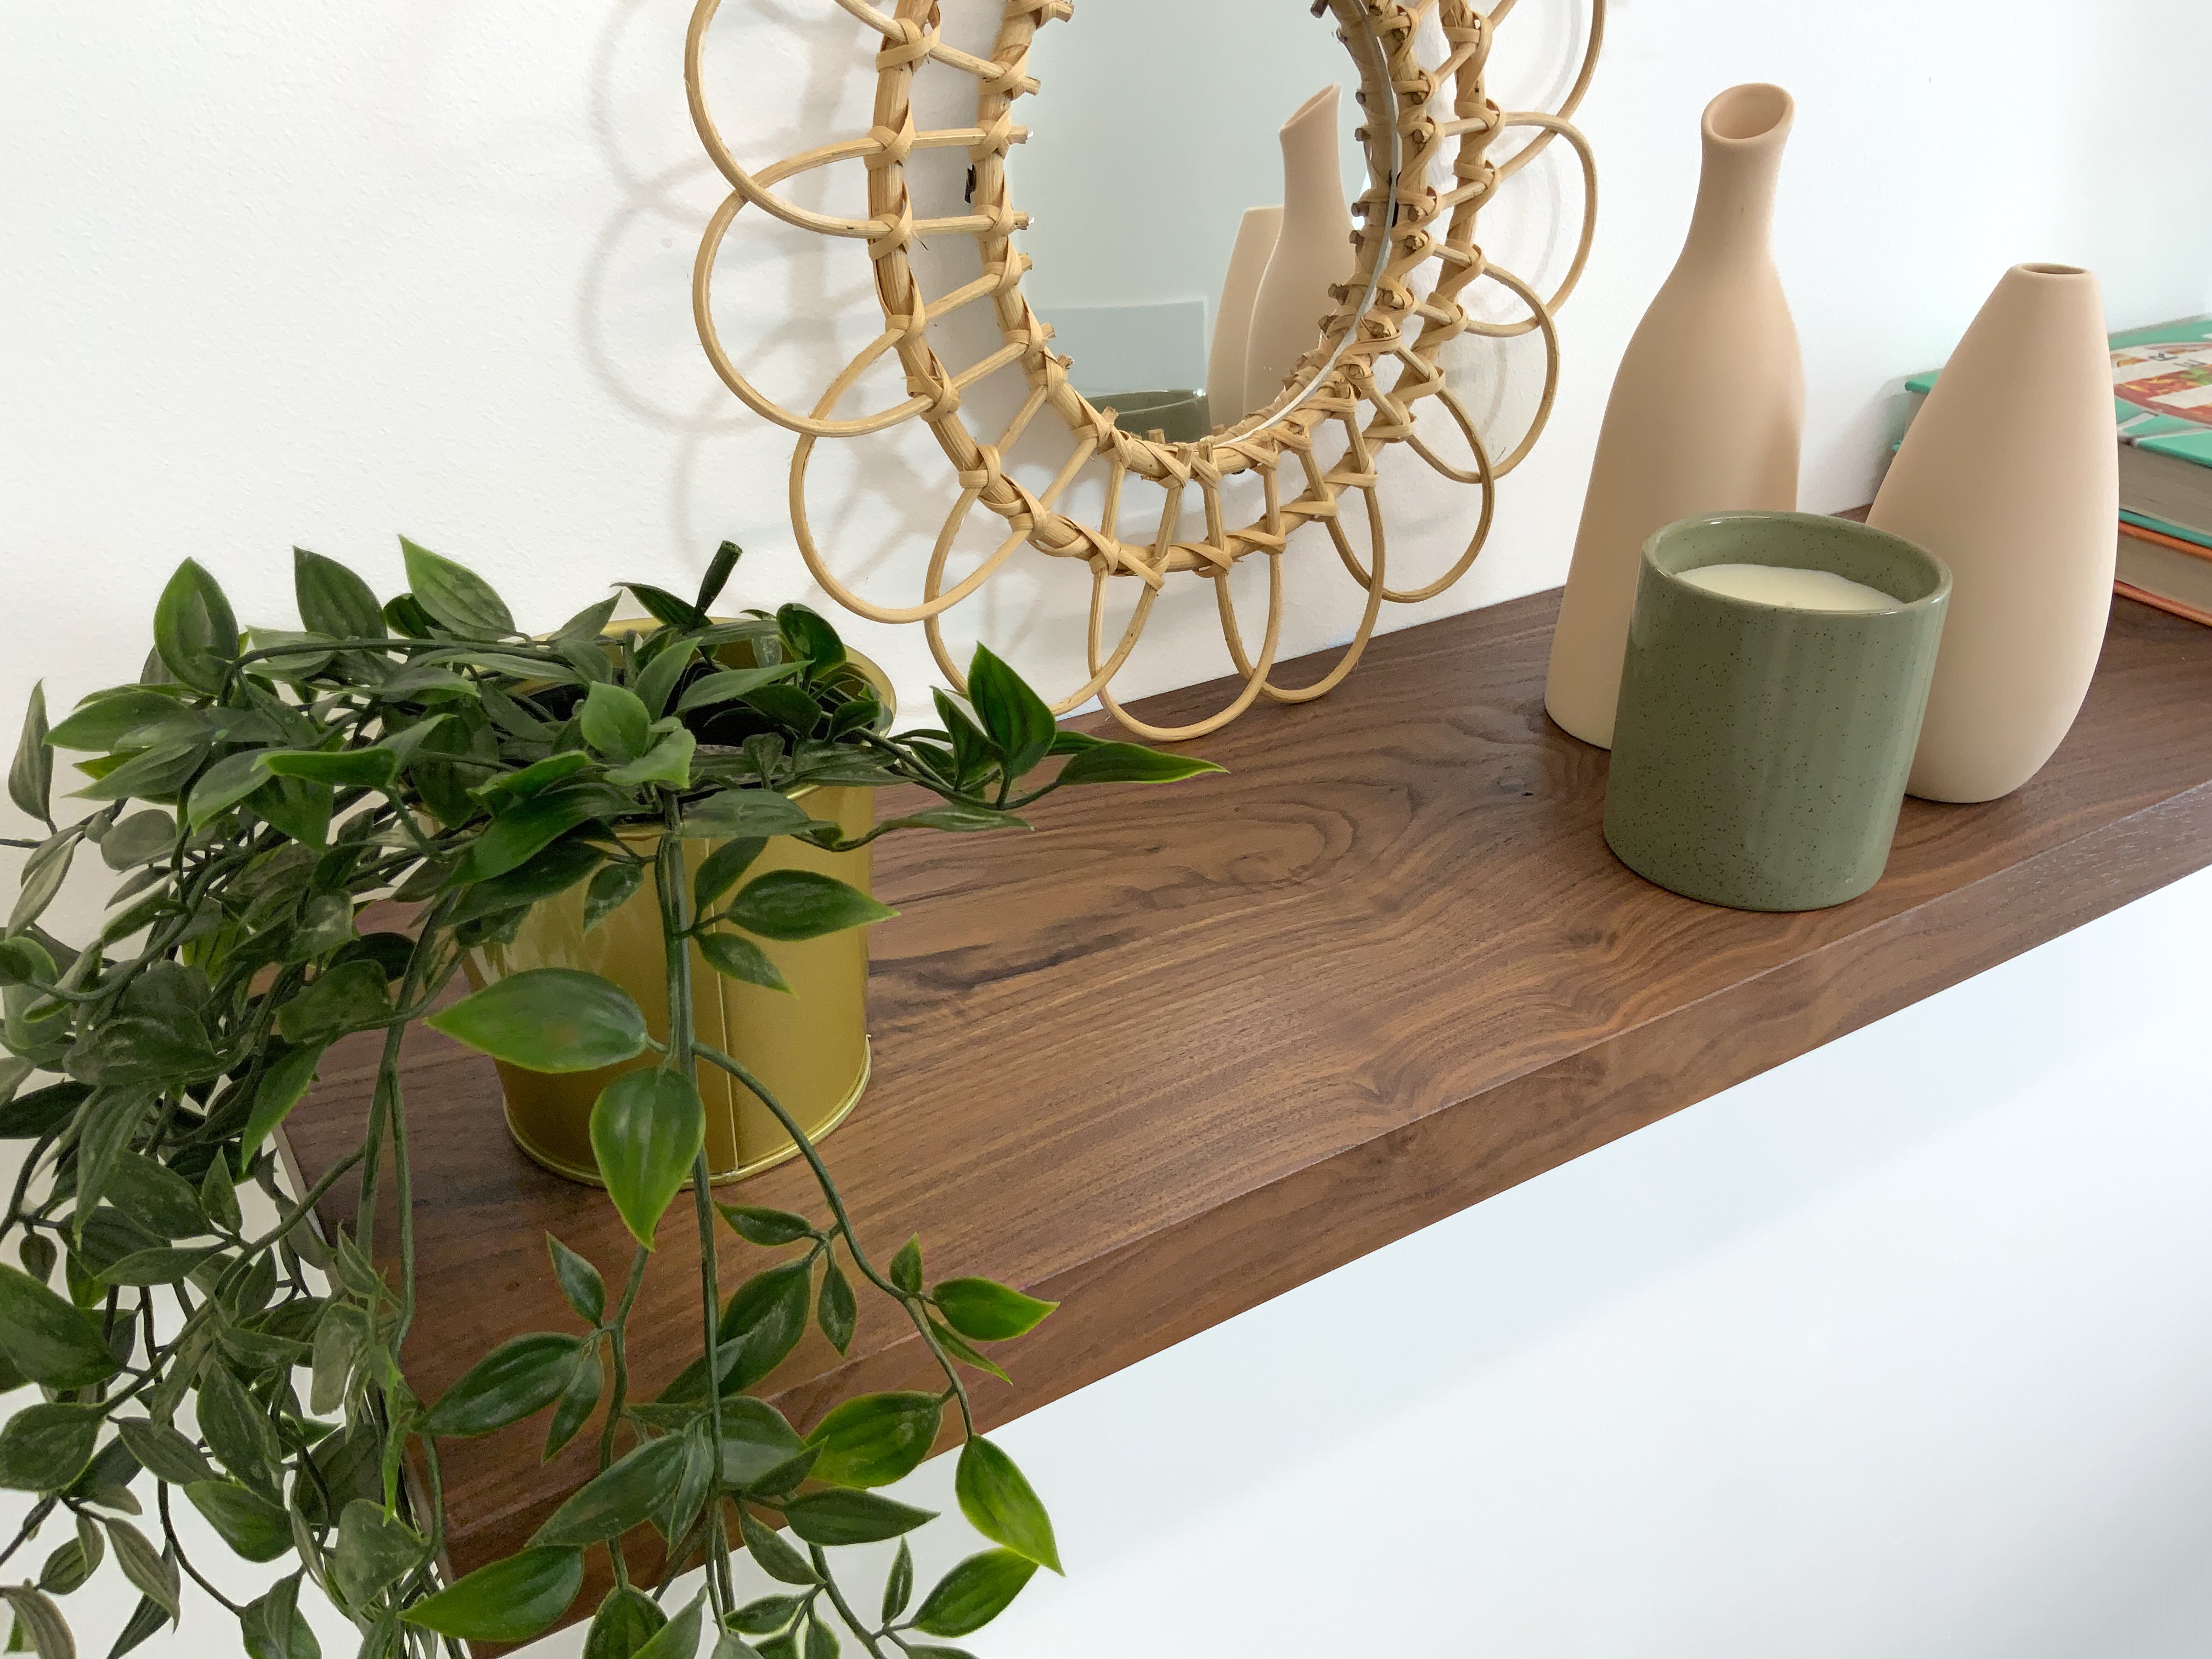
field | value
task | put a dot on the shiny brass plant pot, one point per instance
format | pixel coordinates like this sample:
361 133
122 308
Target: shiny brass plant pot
812 1048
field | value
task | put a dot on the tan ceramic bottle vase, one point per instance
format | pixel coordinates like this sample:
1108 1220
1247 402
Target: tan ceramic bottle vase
1257 233
2010 474
1313 249
1707 411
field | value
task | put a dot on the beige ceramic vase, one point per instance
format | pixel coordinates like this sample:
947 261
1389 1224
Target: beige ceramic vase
1313 249
1707 411
2010 474
1261 228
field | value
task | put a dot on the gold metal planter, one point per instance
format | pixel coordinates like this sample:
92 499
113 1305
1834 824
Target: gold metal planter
811 1049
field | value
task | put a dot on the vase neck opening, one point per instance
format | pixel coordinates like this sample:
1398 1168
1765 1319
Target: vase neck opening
1744 129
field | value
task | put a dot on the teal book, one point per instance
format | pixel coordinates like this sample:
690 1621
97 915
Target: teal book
2162 412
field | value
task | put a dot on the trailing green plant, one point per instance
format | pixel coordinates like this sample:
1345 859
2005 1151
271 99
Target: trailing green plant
253 793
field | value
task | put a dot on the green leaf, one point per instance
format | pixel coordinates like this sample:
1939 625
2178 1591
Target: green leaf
150 1572
898 1586
767 1227
253 1525
301 809
333 601
735 957
554 871
622 1496
788 705
799 904
373 767
961 818
840 1517
42 876
768 1615
145 1620
588 624
987 1311
158 775
836 1311
668 762
532 780
906 1266
164 1265
659 676
679 1638
720 870
340 1336
456 597
610 890
24 961
139 839
625 1622
236 1427
525 827
549 1019
163 1452
579 1282
765 1319
1016 720
519 1377
375 1551
974 1593
771 1554
957 1347
646 1130
1130 763
43 1448
875 1438
99 722
346 996
272 1626
194 630
155 1196
731 685
808 634
665 608
744 815
283 1085
821 1640
614 722
31 774
219 1196
46 1338
509 1600
578 1399
40 1619
997 1499
759 1447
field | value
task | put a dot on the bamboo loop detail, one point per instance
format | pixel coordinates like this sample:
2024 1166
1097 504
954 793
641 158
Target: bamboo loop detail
1429 129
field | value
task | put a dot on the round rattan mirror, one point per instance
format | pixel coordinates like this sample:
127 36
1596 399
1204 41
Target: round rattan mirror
1306 449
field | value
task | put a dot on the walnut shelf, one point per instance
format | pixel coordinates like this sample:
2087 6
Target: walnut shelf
1181 1050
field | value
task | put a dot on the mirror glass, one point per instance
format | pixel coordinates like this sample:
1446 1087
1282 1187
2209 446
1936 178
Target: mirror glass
1188 177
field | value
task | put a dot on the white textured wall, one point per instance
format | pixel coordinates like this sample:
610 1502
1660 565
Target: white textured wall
318 273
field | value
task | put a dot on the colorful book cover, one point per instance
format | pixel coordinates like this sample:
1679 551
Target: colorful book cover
2161 399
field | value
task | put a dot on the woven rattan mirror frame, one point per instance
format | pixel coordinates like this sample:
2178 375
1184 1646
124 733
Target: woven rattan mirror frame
1416 255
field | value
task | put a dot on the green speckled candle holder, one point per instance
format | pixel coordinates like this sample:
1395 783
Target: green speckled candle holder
1759 752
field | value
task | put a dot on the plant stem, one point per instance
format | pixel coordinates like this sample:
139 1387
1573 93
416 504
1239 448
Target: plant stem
674 926
837 1202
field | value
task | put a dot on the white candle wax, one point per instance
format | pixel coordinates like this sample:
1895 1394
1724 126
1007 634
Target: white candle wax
1797 590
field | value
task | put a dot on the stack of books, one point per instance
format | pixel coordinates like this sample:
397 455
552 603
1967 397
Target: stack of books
2162 406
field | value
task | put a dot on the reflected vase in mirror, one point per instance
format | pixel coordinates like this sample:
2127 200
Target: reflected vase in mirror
1179 304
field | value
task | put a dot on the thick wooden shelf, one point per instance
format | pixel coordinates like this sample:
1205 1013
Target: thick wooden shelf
1181 1050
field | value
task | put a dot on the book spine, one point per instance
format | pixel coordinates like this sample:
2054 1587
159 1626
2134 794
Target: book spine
2173 607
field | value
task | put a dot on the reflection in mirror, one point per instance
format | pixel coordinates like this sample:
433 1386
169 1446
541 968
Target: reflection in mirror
1188 179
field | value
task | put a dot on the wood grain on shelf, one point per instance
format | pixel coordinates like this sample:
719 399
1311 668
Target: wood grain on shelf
1180 1050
